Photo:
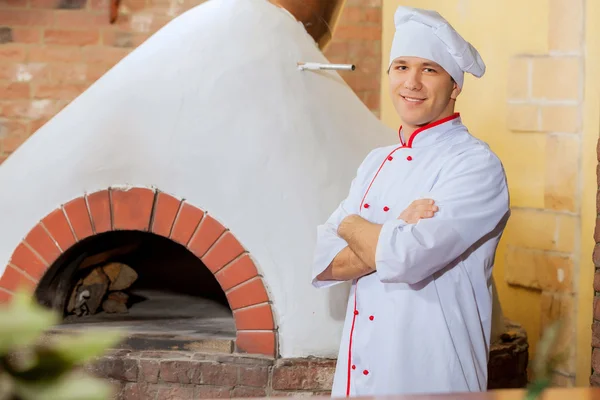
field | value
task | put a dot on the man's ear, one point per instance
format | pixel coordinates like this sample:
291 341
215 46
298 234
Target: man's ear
455 90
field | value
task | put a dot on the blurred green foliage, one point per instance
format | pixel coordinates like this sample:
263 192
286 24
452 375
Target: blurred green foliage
35 365
548 358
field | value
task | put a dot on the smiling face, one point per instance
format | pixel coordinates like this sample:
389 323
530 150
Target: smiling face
422 92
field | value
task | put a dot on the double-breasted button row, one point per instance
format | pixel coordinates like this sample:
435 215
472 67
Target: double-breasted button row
385 208
365 372
371 317
409 158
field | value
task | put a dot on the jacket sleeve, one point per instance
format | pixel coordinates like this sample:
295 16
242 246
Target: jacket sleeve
329 244
472 196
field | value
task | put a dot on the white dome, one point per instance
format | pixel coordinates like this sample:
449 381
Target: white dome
213 109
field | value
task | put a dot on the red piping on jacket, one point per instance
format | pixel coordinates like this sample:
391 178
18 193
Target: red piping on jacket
429 126
407 146
400 135
403 146
350 344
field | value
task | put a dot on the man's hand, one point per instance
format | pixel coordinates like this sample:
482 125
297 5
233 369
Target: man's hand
345 266
418 209
361 236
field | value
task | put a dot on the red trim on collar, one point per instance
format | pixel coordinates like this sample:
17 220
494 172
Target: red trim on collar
400 136
406 146
421 129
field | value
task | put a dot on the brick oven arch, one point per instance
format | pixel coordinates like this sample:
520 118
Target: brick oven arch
148 210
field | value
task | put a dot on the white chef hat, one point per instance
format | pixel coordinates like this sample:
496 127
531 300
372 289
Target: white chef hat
426 34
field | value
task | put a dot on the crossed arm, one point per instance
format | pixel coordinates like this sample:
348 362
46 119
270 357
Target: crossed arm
471 193
358 258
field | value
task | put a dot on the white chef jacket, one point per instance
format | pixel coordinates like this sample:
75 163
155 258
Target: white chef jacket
421 323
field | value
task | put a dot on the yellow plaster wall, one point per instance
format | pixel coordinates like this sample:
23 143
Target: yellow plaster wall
591 128
530 108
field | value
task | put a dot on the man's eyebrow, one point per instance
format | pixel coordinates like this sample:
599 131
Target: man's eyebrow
423 64
431 65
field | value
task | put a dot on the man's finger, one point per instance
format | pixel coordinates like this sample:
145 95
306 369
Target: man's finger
423 201
426 207
425 214
418 209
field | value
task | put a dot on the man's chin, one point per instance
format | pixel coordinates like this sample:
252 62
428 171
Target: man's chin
413 121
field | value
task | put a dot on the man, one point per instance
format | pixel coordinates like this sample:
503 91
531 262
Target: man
418 231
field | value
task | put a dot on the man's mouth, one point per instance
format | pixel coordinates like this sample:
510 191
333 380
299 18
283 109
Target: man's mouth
415 100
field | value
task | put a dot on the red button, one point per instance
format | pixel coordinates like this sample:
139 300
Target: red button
390 158
366 372
366 206
386 209
355 312
409 158
371 318
354 367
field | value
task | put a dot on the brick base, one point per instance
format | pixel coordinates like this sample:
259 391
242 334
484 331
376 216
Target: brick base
187 375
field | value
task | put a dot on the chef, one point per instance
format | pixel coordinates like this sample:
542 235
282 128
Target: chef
418 231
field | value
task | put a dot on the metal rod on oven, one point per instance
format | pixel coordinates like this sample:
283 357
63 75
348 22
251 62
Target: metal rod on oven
320 66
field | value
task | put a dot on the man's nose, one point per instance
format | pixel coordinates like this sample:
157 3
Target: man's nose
413 81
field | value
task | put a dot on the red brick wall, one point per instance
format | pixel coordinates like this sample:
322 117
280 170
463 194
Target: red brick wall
138 375
357 40
52 50
595 378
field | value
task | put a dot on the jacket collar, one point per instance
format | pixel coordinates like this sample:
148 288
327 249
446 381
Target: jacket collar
431 133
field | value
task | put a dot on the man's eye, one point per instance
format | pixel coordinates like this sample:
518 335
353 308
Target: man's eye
431 70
